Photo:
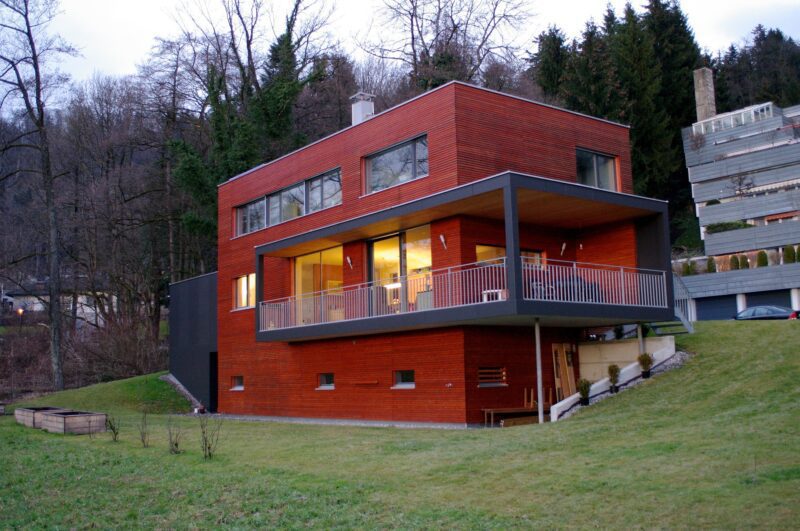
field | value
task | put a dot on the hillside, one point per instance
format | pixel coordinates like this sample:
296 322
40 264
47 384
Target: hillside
713 444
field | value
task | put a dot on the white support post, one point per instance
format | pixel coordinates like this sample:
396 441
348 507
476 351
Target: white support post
795 294
741 302
641 338
539 389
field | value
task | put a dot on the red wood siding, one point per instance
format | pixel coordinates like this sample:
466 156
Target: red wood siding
512 348
471 134
497 133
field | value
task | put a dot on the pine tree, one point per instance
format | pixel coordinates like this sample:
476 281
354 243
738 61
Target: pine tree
547 64
653 156
589 83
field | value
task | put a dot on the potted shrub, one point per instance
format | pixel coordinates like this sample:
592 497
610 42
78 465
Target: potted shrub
584 386
645 362
613 376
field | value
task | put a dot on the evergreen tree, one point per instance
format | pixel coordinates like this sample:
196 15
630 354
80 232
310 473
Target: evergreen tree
654 157
549 61
589 83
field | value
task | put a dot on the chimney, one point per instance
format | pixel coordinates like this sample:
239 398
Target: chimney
363 107
704 93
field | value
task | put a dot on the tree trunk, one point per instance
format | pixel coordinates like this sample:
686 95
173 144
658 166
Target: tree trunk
54 261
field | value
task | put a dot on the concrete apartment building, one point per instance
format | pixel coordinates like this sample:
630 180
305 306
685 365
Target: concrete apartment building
744 168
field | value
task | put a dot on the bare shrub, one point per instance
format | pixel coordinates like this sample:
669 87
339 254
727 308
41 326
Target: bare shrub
174 435
144 430
113 425
210 429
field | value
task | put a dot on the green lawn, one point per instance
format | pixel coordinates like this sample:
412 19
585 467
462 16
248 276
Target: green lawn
713 444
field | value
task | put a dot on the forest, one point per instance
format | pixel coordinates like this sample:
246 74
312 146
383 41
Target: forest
108 186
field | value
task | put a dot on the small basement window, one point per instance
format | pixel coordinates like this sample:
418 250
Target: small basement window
492 377
237 383
325 382
404 380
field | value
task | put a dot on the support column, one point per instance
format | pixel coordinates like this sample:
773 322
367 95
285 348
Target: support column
795 295
539 388
741 302
513 262
259 289
640 337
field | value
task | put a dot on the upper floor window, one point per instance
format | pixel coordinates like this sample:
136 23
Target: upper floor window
251 217
397 165
297 200
597 170
245 291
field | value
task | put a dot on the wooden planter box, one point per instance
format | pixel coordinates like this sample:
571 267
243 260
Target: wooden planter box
78 422
32 416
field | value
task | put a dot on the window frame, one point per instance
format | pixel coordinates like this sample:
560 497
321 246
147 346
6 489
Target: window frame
277 198
595 154
368 159
397 379
250 280
487 382
322 386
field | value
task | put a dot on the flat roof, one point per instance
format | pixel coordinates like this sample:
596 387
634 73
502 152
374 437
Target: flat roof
406 102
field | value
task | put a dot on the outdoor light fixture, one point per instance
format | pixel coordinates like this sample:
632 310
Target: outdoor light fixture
444 243
563 248
20 311
349 262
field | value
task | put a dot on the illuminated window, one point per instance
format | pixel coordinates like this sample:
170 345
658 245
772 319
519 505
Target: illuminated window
245 291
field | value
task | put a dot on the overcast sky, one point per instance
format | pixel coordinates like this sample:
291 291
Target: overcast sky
114 36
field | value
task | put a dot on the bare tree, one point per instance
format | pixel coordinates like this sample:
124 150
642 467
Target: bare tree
447 39
26 50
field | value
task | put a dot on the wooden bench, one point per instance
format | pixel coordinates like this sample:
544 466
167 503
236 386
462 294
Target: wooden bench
529 405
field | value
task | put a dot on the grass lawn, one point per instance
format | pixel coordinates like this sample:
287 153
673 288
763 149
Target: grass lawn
713 444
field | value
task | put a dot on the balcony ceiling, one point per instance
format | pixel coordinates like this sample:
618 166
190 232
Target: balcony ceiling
535 207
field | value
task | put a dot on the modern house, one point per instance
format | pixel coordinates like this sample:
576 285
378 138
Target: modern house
744 168
430 261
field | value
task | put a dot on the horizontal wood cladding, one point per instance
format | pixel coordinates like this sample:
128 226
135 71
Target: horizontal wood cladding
497 133
281 379
613 244
513 348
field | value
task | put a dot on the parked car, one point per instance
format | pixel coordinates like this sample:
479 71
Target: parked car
766 312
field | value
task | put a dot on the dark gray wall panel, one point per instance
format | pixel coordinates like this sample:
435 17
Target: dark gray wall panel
779 298
716 308
754 238
770 278
751 207
193 335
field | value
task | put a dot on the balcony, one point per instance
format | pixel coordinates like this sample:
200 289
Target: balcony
467 285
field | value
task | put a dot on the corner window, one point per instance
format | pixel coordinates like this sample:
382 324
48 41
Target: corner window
237 383
404 380
245 291
596 170
325 382
251 217
398 165
492 377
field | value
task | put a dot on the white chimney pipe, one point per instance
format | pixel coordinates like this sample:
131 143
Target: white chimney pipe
363 107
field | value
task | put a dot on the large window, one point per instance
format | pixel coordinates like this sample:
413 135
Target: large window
315 272
493 252
300 199
596 170
245 291
398 165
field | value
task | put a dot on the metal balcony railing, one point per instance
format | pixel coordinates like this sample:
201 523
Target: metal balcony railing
576 282
476 283
462 285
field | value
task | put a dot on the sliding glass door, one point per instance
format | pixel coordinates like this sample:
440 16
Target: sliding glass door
314 273
400 267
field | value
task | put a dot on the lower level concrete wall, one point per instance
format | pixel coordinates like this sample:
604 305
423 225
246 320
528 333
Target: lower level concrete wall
596 356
